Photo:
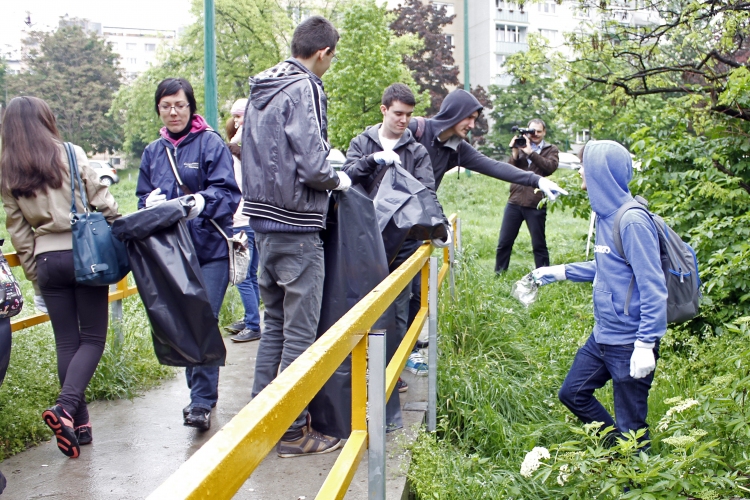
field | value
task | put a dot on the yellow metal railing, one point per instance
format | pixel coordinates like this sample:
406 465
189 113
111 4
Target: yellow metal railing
220 467
122 290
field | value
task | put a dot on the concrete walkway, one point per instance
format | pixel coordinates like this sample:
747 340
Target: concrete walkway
138 443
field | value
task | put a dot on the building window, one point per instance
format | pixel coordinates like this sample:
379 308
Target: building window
509 6
130 46
500 60
449 41
449 10
550 35
510 33
546 7
583 12
583 136
132 60
150 47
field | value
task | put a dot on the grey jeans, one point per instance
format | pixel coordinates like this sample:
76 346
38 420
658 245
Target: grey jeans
290 278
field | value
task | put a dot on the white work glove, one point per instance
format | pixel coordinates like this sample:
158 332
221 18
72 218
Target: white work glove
197 208
438 243
154 198
344 182
39 304
387 158
642 362
550 189
546 275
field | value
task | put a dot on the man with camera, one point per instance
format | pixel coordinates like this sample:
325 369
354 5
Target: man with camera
529 152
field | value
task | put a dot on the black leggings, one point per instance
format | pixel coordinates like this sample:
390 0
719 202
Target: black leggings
79 319
5 339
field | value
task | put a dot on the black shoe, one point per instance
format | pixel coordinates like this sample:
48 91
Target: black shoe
3 482
235 327
84 434
199 418
64 434
246 335
186 410
422 344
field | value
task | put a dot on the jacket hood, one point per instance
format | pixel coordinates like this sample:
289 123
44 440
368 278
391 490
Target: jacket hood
371 133
456 106
265 85
198 125
608 169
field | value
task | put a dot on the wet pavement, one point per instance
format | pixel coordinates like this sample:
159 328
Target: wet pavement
138 443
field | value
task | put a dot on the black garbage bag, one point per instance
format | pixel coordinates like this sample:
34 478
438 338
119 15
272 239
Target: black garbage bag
355 263
406 209
170 283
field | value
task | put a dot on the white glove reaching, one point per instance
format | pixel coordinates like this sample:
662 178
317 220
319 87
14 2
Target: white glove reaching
438 243
546 275
154 198
344 182
39 304
200 204
642 361
387 158
550 189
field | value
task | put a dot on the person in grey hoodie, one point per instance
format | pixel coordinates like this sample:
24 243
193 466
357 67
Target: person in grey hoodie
624 344
286 179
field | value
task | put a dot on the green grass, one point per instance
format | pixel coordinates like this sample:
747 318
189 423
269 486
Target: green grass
502 364
128 366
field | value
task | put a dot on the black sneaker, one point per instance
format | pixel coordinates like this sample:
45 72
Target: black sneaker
198 418
246 335
2 482
64 434
84 434
186 410
236 327
401 385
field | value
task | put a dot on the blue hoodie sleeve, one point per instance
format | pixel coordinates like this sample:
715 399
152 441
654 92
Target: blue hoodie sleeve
581 271
144 186
640 243
221 192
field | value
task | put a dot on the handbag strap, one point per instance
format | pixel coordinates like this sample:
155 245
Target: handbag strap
220 230
75 176
180 184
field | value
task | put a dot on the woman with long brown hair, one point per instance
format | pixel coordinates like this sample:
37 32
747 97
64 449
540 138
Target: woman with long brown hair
36 194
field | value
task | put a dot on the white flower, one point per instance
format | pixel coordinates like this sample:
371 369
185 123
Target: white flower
663 424
562 477
531 461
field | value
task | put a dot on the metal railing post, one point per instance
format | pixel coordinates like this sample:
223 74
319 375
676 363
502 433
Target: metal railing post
376 414
459 248
432 348
451 260
115 310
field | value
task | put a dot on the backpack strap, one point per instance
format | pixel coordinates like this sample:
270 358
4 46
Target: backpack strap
639 203
420 127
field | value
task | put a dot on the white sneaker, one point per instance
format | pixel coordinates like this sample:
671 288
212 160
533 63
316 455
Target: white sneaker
416 364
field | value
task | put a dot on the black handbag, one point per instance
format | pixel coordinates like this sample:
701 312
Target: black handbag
11 298
98 257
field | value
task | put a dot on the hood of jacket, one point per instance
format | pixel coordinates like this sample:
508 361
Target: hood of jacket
265 85
608 169
372 133
198 125
455 107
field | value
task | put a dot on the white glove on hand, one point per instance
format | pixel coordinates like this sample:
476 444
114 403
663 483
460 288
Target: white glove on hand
546 275
550 189
344 182
642 362
387 158
200 204
154 198
39 304
438 243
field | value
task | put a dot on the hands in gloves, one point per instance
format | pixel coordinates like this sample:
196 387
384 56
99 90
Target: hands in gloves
344 182
642 361
438 243
550 189
546 275
387 158
155 197
200 204
39 304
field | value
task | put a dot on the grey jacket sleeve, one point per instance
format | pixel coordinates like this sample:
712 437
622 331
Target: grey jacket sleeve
306 141
424 174
474 160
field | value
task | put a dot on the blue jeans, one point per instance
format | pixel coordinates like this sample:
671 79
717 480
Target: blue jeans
249 292
203 381
593 366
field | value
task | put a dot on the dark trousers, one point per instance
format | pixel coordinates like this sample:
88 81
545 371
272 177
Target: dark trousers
291 275
594 365
5 343
79 318
514 216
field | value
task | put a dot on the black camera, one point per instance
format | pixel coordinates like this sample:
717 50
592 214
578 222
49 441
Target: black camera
520 142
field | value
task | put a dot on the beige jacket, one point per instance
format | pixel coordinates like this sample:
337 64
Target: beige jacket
42 223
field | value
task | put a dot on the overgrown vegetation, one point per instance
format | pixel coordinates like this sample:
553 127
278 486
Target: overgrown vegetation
501 366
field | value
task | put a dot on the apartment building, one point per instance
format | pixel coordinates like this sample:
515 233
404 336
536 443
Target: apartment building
137 47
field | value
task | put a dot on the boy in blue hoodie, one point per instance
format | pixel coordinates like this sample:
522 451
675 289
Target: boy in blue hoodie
623 346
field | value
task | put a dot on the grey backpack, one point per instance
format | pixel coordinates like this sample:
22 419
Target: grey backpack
678 261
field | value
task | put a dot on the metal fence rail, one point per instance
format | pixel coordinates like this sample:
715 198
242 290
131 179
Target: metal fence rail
220 467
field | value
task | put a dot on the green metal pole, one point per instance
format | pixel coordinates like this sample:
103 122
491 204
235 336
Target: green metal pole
467 85
209 65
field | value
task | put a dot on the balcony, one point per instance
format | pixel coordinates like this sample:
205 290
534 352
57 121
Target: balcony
511 47
514 16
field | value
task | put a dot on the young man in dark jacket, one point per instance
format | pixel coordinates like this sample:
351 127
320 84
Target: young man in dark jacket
542 158
286 179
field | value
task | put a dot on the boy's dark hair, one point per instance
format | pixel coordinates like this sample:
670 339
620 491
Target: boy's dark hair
539 121
313 34
398 92
171 86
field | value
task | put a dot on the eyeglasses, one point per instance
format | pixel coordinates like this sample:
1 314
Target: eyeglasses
166 108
